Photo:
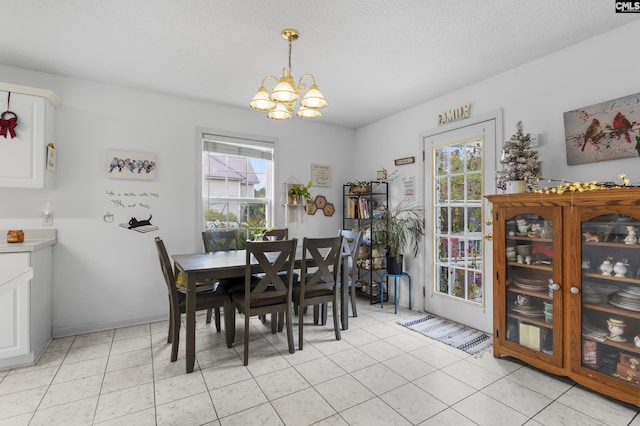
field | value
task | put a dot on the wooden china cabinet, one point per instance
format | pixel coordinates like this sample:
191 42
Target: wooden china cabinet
567 285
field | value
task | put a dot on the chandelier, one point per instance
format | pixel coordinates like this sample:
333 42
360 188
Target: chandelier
279 104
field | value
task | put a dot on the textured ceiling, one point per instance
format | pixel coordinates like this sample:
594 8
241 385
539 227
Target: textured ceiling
371 58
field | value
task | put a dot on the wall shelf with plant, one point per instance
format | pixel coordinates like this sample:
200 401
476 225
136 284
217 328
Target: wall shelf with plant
298 194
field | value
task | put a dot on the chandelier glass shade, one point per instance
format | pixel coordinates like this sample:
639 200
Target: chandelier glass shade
280 103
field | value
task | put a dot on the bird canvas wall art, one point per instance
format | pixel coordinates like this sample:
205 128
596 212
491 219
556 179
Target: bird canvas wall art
131 165
605 131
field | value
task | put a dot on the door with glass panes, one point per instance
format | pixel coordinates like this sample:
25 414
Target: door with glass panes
459 169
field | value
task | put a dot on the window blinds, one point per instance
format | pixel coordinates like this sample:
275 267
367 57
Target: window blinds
238 146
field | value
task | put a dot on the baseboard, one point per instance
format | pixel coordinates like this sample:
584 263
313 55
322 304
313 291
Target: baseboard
18 361
106 325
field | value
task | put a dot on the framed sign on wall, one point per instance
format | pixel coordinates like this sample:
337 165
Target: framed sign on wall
320 175
405 160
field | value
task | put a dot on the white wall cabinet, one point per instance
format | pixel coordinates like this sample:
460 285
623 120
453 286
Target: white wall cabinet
23 157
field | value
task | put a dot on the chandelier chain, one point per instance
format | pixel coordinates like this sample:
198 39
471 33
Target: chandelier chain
290 44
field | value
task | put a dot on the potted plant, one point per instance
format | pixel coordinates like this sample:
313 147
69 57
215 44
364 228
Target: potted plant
359 186
520 165
297 191
256 228
404 224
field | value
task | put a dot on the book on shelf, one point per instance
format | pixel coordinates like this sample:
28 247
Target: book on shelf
358 208
529 336
351 208
364 210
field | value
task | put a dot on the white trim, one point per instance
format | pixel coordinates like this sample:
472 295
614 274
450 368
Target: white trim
202 133
106 325
496 118
44 93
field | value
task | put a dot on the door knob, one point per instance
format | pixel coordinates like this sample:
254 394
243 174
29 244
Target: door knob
488 237
575 290
555 287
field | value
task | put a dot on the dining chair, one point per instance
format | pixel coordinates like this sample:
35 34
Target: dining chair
350 244
270 292
210 296
228 240
279 234
319 272
220 240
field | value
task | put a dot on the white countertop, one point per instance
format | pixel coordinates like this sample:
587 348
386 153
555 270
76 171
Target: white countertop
8 274
34 239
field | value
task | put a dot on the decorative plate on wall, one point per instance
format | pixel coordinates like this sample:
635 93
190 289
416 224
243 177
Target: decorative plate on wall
320 201
328 209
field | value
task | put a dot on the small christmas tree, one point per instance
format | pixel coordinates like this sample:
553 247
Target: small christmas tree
519 161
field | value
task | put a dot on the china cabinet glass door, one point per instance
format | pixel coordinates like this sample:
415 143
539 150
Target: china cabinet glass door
532 294
610 297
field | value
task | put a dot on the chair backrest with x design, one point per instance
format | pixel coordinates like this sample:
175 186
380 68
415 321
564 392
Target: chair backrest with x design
220 240
270 286
279 234
167 270
319 269
323 255
269 291
350 245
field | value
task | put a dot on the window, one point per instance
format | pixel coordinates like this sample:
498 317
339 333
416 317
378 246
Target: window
237 183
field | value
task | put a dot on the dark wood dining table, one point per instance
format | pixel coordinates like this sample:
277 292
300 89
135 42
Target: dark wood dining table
228 264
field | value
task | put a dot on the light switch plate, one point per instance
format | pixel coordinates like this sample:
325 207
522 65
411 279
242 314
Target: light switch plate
47 218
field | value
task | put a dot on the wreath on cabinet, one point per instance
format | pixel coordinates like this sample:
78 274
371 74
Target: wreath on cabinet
8 121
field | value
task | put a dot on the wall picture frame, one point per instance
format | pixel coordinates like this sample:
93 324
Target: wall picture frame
320 175
131 165
605 131
405 160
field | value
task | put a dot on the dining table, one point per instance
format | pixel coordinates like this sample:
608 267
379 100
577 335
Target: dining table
229 264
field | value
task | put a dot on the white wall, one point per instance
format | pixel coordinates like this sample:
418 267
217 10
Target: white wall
538 93
107 276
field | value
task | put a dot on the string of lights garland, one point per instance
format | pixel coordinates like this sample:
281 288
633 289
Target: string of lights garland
565 186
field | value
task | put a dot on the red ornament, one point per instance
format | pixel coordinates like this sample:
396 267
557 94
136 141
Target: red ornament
8 124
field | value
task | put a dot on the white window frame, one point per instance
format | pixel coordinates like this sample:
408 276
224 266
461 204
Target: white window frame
238 140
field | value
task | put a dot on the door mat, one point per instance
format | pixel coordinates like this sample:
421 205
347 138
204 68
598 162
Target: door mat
465 338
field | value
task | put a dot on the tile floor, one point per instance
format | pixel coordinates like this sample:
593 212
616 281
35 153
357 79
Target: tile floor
379 373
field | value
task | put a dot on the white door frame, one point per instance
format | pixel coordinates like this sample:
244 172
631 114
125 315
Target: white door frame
487 309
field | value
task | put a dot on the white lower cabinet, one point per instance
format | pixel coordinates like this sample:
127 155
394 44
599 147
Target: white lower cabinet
14 313
25 306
